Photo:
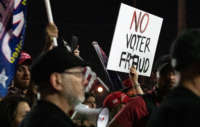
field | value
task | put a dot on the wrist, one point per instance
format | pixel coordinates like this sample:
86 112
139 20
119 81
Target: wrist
137 85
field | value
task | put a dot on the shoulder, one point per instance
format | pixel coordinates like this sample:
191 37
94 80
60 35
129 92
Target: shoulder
46 114
46 120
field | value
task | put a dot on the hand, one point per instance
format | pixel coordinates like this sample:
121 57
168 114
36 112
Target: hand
51 32
133 75
76 51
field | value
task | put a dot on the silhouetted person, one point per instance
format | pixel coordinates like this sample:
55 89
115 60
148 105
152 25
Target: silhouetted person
181 108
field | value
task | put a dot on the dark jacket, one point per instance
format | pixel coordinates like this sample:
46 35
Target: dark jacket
181 108
46 114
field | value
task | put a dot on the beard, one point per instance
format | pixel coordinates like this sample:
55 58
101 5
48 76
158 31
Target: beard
22 84
74 100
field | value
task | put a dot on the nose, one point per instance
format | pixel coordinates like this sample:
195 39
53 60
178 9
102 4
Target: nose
172 77
26 71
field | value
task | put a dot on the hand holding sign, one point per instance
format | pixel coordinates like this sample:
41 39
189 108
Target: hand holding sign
133 75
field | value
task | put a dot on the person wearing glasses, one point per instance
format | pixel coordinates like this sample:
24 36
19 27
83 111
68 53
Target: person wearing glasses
60 80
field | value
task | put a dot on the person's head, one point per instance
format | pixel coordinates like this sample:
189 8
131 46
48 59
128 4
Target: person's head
60 73
13 110
166 75
22 76
115 101
90 100
185 53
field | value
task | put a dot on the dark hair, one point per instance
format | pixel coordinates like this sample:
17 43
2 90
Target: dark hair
163 65
165 69
185 49
8 106
87 95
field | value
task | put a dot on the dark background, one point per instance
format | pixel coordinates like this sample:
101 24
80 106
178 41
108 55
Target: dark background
94 20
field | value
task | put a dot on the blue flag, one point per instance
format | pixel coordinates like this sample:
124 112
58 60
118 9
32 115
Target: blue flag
12 30
113 76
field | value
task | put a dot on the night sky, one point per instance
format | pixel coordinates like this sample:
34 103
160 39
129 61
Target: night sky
94 20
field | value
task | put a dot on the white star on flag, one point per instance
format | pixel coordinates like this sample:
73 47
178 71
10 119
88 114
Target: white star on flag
3 78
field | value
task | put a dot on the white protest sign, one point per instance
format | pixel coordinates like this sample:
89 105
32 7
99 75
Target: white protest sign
134 41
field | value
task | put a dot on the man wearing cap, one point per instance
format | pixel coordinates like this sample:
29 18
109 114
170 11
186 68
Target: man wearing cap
60 80
181 108
22 78
167 78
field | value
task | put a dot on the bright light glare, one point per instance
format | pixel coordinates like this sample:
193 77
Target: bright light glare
100 89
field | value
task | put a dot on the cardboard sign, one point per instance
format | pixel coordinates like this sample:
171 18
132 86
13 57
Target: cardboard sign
134 41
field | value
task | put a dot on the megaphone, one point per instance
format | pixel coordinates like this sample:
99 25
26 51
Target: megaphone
85 111
103 118
100 116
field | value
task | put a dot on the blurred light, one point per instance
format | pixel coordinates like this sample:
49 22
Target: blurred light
100 89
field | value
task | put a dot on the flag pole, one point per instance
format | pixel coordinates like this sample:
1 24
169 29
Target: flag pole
96 47
50 18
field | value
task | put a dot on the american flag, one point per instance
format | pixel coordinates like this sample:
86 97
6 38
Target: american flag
113 77
12 30
93 80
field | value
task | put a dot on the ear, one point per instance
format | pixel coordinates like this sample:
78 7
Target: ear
55 81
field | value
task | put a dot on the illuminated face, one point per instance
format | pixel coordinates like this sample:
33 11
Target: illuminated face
22 109
22 77
91 102
169 80
172 79
73 83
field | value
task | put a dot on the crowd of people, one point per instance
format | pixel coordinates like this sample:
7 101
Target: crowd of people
45 91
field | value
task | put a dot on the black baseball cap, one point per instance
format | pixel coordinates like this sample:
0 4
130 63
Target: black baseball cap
186 49
56 60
